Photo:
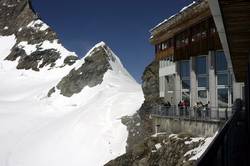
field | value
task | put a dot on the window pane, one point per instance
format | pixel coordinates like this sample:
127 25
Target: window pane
202 96
223 97
185 84
202 82
221 62
186 96
201 65
184 66
222 79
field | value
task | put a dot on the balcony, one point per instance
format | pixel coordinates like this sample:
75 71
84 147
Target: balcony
211 114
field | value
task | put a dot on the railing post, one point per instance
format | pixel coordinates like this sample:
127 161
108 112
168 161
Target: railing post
160 113
218 113
189 113
226 114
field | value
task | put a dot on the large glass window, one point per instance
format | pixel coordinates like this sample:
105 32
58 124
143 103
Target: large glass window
186 84
221 62
221 69
202 78
201 65
185 79
202 81
184 69
223 97
202 96
222 80
186 96
201 71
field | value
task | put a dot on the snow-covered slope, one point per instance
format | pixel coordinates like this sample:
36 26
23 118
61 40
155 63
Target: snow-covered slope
80 123
7 42
82 130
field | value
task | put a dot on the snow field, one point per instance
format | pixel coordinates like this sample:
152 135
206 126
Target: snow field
84 130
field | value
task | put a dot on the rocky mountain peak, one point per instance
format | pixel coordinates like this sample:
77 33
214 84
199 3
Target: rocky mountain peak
101 47
37 45
90 71
110 56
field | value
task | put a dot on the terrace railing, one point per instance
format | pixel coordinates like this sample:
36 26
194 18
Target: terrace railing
229 147
198 114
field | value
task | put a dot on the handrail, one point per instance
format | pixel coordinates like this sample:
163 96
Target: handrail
214 154
201 113
212 148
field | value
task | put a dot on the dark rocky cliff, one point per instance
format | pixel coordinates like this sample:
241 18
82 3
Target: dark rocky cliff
162 150
17 17
140 125
90 73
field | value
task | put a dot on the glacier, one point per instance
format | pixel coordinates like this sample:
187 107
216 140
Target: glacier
82 130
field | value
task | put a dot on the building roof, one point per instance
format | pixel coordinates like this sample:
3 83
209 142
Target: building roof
173 16
197 9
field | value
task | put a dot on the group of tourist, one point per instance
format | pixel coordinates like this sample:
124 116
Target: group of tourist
200 110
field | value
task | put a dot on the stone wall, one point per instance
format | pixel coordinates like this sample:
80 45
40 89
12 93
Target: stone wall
197 128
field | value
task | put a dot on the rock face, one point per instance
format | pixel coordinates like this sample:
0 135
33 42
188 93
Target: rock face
162 150
90 73
140 125
37 45
150 83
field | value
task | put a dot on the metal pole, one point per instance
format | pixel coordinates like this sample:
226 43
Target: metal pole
247 98
226 115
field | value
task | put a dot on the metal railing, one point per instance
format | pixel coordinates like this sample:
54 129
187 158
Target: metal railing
202 114
229 147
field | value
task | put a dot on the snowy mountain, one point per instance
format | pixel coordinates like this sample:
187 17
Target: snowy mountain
56 110
37 45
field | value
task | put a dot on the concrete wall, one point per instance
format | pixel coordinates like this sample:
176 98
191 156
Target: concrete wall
193 82
166 68
169 89
212 79
176 126
162 86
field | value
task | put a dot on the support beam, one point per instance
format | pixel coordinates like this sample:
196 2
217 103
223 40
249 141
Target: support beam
177 87
193 82
216 12
212 81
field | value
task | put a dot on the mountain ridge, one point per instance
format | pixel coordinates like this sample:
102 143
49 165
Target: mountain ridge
76 126
90 71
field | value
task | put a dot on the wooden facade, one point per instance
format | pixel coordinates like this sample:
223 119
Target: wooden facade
195 40
160 55
191 32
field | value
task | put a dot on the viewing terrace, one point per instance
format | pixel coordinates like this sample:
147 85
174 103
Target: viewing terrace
205 114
